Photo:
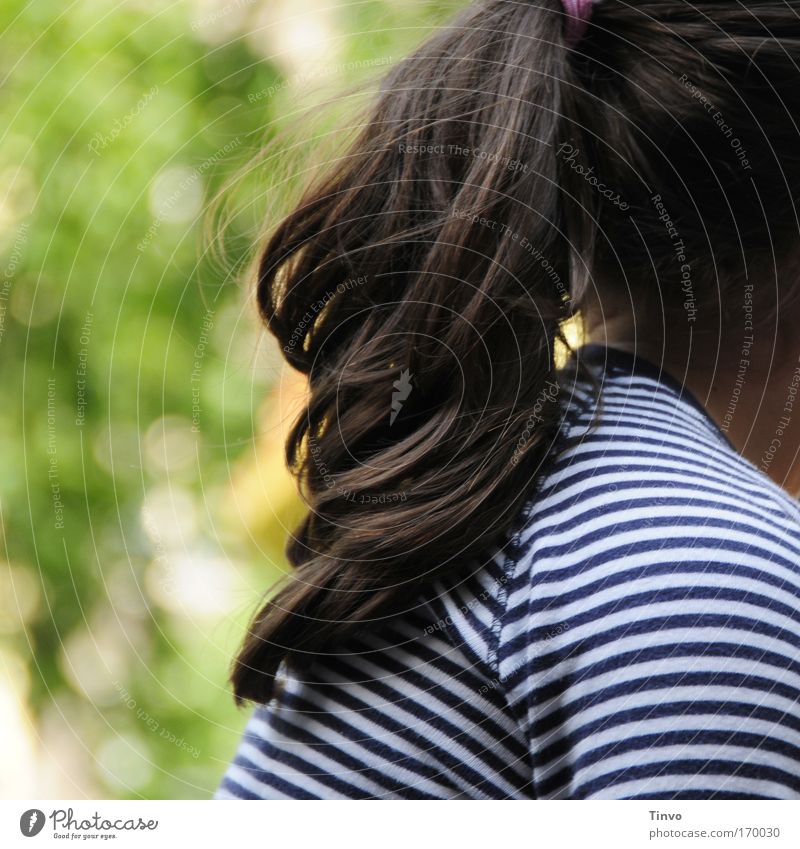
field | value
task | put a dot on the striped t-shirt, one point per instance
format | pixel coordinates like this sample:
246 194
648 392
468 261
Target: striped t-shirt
637 637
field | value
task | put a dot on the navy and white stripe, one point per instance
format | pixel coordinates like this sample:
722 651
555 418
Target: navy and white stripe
638 637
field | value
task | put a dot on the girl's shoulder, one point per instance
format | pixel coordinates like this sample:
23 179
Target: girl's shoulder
652 609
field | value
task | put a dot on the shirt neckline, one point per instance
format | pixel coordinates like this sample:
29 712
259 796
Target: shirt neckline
630 364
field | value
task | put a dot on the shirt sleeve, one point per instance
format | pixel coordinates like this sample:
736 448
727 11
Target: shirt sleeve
400 714
664 669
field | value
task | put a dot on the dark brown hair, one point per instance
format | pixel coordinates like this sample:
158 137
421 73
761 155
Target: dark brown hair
423 283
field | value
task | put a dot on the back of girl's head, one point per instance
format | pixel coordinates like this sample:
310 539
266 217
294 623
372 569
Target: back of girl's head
423 284
690 111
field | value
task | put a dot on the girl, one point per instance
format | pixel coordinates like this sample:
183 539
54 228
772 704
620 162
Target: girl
530 569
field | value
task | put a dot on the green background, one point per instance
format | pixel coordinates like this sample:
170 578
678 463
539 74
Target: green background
143 502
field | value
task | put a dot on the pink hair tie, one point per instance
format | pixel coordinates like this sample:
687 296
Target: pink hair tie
578 14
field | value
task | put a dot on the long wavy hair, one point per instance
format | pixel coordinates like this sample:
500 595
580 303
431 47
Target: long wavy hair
422 284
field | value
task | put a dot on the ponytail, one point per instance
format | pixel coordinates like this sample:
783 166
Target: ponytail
433 387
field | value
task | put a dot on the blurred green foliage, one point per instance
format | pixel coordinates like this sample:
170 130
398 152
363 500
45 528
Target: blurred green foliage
133 371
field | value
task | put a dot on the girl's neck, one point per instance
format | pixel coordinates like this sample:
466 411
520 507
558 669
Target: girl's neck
746 376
